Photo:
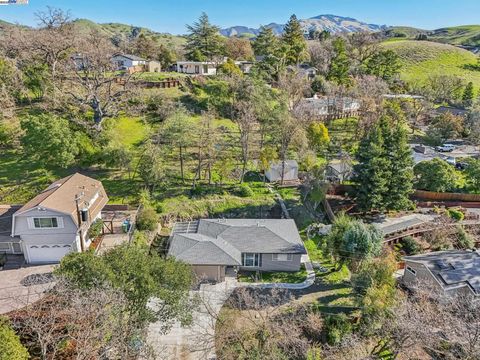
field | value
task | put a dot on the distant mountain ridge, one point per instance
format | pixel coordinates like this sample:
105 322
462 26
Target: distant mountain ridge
332 23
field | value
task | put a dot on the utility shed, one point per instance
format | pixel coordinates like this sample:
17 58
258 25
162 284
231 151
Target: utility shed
274 174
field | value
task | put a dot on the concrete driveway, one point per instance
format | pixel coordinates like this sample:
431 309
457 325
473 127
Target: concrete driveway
23 286
197 341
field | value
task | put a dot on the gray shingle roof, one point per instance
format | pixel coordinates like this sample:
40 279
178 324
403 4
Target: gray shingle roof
199 249
452 268
222 241
131 57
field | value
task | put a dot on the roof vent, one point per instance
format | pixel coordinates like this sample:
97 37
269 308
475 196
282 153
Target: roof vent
53 186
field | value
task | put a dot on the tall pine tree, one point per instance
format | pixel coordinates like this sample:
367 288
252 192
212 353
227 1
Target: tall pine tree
266 42
339 71
399 155
296 45
372 172
204 41
384 175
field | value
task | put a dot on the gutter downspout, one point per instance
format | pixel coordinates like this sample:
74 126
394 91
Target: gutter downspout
79 219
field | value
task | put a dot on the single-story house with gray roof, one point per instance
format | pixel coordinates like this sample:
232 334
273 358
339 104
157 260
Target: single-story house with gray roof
212 246
451 272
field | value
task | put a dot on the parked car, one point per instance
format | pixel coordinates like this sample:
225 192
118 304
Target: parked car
445 148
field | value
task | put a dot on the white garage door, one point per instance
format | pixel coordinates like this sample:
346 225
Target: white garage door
48 253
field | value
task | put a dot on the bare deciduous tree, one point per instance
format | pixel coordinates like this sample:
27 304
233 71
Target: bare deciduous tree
446 327
52 43
293 88
206 142
81 324
93 82
247 123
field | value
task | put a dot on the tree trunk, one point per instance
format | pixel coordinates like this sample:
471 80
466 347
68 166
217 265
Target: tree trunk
244 167
209 170
283 170
181 165
97 115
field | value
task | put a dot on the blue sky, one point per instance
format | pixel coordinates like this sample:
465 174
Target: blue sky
172 15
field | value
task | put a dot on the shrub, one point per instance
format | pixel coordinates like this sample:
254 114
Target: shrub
336 327
10 346
456 215
464 239
410 246
147 219
140 238
95 229
243 190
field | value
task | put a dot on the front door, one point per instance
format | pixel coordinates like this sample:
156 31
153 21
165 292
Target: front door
17 249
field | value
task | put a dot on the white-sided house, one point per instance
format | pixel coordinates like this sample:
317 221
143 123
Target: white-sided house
56 221
290 171
126 61
197 67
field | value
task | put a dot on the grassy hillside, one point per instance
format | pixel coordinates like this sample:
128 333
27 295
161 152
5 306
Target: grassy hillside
405 32
115 29
459 35
422 59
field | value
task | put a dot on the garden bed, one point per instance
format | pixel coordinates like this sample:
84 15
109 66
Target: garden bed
274 276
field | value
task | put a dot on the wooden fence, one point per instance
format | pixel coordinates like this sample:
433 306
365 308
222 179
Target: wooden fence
437 196
340 189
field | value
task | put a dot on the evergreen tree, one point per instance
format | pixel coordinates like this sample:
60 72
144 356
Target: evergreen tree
468 95
384 64
204 41
398 154
266 42
340 67
385 170
295 41
372 172
273 52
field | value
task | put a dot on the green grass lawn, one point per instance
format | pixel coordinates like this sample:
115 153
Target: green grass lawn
21 179
157 76
274 277
129 131
332 292
336 274
421 59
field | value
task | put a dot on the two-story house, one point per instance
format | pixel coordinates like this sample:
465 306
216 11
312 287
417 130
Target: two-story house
56 221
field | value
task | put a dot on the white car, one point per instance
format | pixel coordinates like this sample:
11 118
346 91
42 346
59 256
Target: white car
445 148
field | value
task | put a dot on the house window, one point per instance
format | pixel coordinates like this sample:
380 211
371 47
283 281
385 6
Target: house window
409 269
197 69
282 257
42 223
205 69
250 260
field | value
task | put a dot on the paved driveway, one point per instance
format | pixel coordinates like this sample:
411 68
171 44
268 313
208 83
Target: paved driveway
17 290
195 342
